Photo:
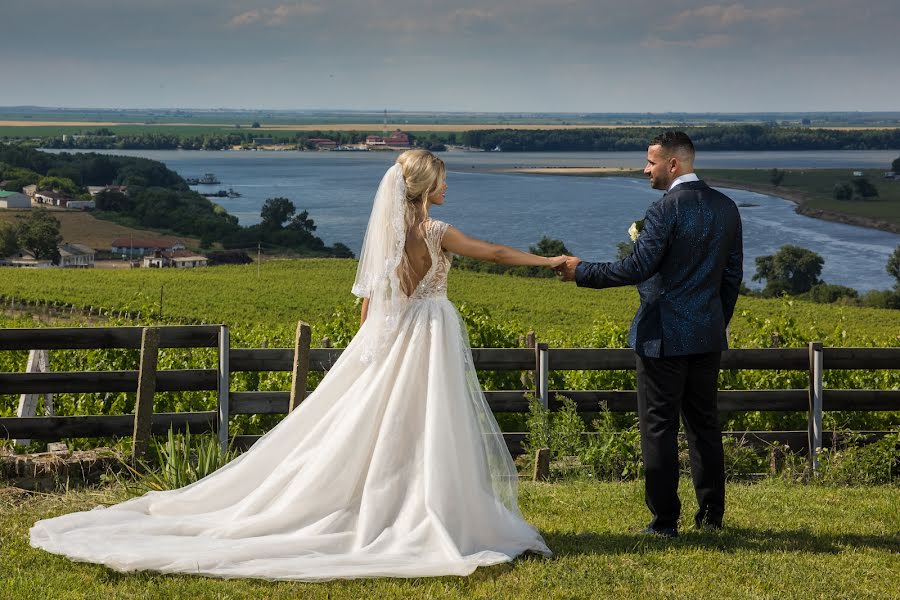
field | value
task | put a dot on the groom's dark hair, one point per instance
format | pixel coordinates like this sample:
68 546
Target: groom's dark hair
675 142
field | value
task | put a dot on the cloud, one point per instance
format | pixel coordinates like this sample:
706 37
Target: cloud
251 16
276 16
713 40
723 17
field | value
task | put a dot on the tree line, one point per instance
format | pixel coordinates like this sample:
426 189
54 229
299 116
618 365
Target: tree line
720 137
725 137
106 139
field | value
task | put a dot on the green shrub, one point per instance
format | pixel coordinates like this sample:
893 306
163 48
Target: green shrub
181 460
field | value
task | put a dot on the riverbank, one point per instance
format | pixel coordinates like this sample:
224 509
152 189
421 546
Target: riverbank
810 189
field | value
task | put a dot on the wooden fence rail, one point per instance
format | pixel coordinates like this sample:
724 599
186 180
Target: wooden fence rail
300 360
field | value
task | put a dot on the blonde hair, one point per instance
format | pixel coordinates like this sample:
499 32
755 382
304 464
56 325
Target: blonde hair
423 174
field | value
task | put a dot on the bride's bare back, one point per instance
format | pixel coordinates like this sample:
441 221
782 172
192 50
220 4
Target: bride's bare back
417 260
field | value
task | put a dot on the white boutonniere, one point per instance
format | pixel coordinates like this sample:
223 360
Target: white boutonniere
635 230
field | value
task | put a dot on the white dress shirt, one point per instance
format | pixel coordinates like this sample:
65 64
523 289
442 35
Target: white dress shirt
683 179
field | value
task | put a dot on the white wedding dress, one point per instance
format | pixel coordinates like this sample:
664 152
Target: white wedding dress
393 466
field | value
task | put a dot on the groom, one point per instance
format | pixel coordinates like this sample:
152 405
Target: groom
687 264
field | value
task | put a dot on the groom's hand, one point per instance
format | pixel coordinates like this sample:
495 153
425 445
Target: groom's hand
566 270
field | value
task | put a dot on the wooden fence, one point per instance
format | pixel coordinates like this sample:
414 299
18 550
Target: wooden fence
301 359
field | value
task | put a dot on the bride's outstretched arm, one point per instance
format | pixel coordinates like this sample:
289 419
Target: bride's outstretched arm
457 242
364 312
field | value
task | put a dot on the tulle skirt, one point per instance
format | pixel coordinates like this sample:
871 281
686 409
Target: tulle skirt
391 467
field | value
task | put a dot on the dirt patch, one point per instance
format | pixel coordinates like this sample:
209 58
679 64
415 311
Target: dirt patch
49 471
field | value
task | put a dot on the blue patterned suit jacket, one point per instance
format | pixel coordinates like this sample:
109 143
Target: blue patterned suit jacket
688 265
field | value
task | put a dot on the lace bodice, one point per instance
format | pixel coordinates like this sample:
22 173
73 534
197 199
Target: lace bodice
434 283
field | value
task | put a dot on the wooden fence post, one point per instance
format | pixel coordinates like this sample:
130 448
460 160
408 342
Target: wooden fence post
543 366
814 425
529 378
301 365
542 465
38 362
143 408
224 386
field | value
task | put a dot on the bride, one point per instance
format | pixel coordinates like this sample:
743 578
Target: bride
394 466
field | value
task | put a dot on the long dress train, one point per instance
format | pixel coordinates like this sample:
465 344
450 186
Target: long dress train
392 467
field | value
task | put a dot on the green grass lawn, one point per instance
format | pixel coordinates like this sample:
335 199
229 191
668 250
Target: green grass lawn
782 540
815 189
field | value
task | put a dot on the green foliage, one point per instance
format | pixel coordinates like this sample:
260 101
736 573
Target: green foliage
881 299
776 176
863 189
792 270
713 137
851 463
843 191
63 185
893 266
613 453
9 242
827 293
895 165
276 211
560 431
180 461
39 234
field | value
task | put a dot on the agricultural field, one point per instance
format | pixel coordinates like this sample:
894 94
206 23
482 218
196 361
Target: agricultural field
262 309
79 227
281 292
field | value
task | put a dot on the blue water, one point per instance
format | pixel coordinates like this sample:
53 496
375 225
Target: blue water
589 214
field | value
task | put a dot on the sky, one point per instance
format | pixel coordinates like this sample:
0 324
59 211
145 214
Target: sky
447 55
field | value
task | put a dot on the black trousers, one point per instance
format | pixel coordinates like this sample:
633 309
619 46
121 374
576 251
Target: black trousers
667 387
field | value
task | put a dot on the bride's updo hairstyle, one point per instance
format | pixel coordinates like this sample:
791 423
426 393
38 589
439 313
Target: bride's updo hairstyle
423 173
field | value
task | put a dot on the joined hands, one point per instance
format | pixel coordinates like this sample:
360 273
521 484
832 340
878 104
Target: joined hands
565 266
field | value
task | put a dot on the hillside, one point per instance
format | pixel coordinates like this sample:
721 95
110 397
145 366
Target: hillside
79 227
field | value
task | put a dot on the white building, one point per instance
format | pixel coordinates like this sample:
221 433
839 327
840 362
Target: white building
143 246
76 256
80 204
14 200
179 259
51 198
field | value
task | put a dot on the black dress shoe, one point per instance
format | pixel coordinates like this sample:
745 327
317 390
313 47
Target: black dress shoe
669 532
707 524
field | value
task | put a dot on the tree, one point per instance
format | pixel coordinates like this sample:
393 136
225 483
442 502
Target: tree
9 243
895 166
302 222
893 266
549 247
776 176
843 191
255 125
792 270
275 211
863 188
58 184
39 234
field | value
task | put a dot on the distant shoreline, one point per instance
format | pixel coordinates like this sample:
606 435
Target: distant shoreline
799 199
